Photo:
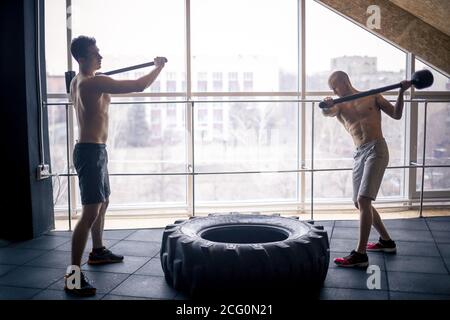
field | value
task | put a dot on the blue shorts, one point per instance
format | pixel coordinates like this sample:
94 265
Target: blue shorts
91 161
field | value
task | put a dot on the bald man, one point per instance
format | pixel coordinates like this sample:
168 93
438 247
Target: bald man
362 119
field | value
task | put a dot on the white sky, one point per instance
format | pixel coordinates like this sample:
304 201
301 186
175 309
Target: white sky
137 30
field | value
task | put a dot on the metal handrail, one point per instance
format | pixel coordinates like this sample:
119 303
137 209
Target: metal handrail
237 101
124 174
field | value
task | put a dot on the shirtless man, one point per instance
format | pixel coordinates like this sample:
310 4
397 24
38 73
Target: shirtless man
362 119
90 94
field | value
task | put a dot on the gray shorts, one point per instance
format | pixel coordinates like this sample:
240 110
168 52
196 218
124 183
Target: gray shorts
90 161
370 162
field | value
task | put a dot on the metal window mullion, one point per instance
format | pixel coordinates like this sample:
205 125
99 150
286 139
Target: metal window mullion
423 156
69 32
301 116
410 154
312 160
188 49
193 157
69 207
70 132
70 137
190 194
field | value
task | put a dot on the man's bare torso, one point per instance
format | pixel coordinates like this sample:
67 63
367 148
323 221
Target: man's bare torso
92 111
362 119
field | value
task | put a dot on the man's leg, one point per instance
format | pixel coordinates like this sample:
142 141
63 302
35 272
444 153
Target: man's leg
365 222
99 254
377 223
81 231
379 226
98 226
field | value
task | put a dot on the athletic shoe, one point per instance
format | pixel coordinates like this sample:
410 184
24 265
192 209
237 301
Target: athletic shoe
103 256
382 246
85 290
355 259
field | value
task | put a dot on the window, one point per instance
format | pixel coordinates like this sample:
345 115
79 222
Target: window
202 83
155 86
441 82
55 45
247 48
138 40
241 35
256 137
218 115
372 65
156 125
248 81
58 147
218 130
334 147
437 151
202 115
217 81
233 82
171 82
171 113
183 82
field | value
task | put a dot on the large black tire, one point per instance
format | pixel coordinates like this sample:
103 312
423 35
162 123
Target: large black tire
236 254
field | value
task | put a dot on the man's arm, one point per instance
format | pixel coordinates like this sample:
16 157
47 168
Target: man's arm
396 111
105 84
332 111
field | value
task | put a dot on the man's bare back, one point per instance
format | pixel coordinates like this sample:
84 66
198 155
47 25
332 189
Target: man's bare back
92 111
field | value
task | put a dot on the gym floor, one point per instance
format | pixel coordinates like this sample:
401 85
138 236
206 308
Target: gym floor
420 270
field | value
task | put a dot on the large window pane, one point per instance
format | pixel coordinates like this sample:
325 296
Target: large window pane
335 43
243 136
278 187
332 186
57 133
133 32
333 145
236 46
441 82
436 179
148 191
147 138
244 45
55 45
143 192
437 150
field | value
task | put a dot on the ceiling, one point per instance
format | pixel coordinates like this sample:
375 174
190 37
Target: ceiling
434 12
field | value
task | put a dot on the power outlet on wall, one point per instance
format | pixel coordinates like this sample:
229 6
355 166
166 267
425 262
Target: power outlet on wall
43 171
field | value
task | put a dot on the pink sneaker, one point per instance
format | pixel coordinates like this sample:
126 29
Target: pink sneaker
382 246
354 259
